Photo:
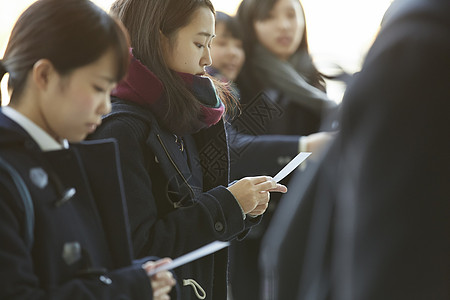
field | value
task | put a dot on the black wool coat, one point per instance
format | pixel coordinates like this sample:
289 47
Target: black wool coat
276 113
177 200
371 221
81 247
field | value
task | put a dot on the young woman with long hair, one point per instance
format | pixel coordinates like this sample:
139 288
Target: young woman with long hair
167 118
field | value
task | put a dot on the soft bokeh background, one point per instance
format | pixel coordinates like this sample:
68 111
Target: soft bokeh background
339 31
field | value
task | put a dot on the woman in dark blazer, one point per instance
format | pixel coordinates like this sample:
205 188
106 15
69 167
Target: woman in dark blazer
167 119
63 229
250 154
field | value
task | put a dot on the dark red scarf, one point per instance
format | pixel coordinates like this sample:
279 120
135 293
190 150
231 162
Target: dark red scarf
141 86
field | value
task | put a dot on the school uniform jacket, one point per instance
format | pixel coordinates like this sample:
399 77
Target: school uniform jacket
81 247
177 199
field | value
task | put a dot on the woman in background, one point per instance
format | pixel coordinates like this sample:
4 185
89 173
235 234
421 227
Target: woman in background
63 231
278 61
227 50
282 93
251 154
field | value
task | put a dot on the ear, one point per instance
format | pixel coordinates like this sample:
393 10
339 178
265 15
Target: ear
42 73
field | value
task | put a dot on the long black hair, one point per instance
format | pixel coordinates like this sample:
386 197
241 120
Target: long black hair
145 21
250 11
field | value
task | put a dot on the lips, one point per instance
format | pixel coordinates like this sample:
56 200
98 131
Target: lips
229 66
284 40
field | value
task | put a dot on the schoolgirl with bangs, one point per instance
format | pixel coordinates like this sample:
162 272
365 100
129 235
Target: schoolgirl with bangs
63 224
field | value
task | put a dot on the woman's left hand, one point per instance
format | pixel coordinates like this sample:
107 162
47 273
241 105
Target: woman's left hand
162 282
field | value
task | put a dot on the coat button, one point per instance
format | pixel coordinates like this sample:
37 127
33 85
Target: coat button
105 280
218 226
71 252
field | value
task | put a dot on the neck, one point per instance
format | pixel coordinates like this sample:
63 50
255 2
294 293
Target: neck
30 106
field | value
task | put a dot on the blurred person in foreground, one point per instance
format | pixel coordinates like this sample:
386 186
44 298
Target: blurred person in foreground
371 221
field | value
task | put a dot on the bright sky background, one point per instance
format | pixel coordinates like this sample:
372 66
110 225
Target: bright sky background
339 31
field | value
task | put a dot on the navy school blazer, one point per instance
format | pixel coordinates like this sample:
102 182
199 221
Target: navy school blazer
81 245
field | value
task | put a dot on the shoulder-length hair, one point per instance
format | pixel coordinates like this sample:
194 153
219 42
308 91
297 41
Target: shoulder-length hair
250 11
145 21
69 33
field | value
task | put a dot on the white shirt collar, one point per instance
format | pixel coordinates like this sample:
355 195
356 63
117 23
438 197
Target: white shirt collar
42 138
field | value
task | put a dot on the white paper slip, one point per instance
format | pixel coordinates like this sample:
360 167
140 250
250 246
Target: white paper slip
294 163
196 254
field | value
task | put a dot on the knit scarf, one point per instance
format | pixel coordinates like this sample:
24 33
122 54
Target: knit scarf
286 76
142 87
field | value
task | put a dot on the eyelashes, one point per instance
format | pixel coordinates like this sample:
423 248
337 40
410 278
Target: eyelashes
201 46
99 89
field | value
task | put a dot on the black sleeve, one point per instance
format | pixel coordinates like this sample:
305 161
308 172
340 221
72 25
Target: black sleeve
215 215
18 280
396 154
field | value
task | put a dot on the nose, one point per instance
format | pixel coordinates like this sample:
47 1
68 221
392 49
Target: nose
105 105
206 58
234 51
283 23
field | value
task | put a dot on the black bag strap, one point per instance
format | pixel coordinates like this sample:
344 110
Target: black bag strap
26 198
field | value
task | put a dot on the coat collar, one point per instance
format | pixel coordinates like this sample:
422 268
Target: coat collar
208 148
42 138
13 133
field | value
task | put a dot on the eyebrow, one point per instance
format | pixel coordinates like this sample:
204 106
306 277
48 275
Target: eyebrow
206 34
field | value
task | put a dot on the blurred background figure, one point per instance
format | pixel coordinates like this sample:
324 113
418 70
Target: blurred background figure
371 221
281 93
279 62
227 51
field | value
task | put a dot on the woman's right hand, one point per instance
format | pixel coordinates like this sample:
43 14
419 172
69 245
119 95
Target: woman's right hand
316 142
162 282
253 193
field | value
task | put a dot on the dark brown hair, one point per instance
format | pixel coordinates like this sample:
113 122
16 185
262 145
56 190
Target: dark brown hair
145 21
231 25
250 11
69 33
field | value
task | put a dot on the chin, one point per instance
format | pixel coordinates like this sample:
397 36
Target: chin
77 139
